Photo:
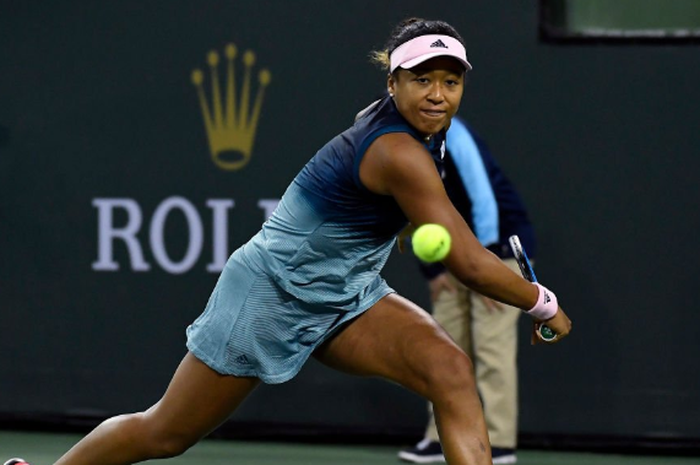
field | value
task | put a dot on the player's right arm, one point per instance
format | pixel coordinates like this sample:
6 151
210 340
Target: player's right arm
398 165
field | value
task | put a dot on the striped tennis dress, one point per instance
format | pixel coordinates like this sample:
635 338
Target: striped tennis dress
312 267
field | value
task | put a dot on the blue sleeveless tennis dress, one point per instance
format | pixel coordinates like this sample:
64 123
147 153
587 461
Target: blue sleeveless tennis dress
313 266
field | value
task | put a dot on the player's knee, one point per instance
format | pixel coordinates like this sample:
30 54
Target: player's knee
172 446
163 440
452 372
172 443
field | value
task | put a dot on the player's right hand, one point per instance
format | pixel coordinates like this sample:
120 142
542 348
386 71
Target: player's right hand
559 323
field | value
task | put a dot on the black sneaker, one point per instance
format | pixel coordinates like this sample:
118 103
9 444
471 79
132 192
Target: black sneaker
501 456
426 451
16 461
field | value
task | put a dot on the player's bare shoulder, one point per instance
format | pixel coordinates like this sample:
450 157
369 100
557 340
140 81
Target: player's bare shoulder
392 156
394 147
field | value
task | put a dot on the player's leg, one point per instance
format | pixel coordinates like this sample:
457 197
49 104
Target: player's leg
451 311
495 335
197 401
399 341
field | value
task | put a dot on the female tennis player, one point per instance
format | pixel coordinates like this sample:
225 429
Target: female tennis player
308 282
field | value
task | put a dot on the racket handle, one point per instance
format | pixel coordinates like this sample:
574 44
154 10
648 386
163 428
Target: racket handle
546 333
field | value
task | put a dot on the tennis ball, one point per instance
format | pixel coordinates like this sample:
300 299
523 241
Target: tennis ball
431 242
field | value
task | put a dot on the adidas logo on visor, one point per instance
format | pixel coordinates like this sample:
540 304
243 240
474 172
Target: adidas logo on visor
438 43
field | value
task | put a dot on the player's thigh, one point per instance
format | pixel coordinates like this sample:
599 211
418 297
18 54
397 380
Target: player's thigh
399 341
197 400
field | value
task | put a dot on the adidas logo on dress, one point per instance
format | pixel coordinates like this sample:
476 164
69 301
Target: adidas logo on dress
242 360
438 43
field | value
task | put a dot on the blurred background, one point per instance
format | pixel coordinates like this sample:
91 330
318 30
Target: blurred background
119 204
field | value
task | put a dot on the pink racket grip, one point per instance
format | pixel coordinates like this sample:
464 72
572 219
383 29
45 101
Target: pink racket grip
546 306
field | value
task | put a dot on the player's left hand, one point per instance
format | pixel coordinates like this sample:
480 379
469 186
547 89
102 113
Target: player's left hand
404 236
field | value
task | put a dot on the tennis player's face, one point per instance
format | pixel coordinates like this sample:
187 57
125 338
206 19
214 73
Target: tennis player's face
428 95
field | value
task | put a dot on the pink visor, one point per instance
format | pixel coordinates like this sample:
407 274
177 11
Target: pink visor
422 48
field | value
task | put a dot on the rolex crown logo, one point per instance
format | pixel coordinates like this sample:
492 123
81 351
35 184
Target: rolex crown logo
231 121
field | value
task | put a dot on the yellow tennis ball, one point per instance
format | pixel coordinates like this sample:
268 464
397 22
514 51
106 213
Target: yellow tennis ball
431 242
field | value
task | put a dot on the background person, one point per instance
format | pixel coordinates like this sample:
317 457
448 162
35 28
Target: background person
486 330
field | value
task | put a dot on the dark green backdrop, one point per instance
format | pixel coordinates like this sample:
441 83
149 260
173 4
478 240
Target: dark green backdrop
96 102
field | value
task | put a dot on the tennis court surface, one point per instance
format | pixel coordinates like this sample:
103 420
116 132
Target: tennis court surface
45 448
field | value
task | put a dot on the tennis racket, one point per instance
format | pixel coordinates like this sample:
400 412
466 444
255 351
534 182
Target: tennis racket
545 332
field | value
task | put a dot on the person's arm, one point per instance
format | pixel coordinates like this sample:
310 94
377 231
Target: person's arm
396 164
